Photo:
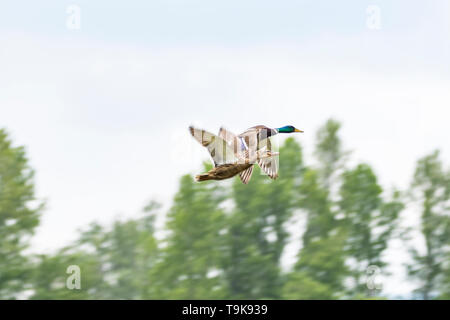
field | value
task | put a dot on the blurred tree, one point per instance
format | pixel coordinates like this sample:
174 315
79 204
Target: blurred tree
114 263
321 263
445 285
315 201
227 242
369 222
256 228
132 251
431 189
19 215
189 267
127 252
320 269
329 152
51 273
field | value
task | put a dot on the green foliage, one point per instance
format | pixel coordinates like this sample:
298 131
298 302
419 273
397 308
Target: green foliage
225 240
369 222
18 217
329 151
189 267
300 286
257 233
114 263
321 261
50 275
314 199
431 190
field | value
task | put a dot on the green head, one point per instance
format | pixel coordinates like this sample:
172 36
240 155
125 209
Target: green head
288 129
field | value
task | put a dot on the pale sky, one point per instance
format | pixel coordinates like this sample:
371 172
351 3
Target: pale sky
103 110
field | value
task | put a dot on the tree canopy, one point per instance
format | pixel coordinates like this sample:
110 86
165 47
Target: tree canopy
227 240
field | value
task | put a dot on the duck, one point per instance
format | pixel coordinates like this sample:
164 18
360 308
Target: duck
229 170
254 139
227 162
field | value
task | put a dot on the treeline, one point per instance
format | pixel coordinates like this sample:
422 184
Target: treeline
226 240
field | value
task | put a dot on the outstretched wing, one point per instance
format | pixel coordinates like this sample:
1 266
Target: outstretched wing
257 138
268 165
240 149
250 140
217 147
236 143
246 175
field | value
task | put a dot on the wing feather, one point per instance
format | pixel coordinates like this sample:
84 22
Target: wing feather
258 138
246 175
269 166
236 143
217 147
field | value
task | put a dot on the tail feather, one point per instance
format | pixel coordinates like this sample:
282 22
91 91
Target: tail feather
202 177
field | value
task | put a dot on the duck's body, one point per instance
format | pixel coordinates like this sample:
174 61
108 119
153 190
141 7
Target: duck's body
234 155
254 139
259 132
243 167
227 162
224 171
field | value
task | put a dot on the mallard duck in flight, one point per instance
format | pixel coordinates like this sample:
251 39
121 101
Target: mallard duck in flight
227 162
254 139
